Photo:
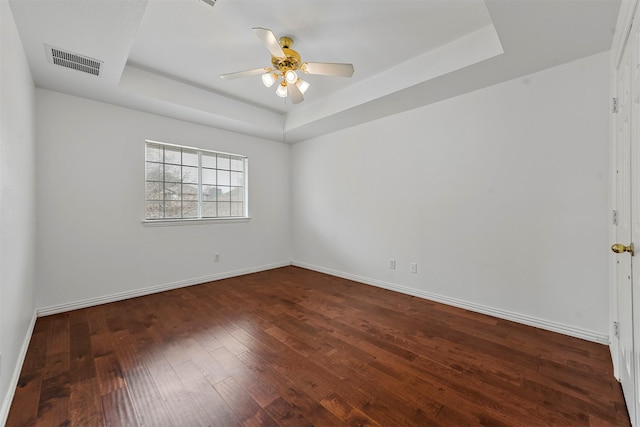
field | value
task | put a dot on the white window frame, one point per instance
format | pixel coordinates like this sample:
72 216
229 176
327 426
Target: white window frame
199 219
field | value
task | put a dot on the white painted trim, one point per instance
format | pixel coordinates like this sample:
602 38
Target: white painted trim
13 384
193 221
46 311
478 308
623 27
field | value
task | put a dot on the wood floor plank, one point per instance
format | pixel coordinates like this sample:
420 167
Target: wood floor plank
58 355
109 374
262 393
145 397
118 409
245 409
85 404
53 406
293 347
175 395
344 411
212 408
24 409
413 409
209 367
300 405
82 364
287 414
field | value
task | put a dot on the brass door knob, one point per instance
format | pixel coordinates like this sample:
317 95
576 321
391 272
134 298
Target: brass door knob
619 248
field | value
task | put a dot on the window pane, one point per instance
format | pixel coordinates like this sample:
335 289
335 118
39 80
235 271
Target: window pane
224 209
154 153
209 193
189 192
209 176
172 192
237 194
237 164
190 158
223 162
208 160
155 171
172 173
237 178
190 209
154 210
173 210
224 177
209 209
189 175
154 191
173 155
236 209
224 194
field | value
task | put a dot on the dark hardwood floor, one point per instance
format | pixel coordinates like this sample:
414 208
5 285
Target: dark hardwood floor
292 347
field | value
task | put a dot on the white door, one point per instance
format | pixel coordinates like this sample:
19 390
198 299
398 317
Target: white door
634 41
624 277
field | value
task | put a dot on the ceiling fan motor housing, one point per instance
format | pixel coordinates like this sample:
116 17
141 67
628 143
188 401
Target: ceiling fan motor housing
292 59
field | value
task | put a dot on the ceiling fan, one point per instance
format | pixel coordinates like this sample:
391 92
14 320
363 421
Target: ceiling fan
286 62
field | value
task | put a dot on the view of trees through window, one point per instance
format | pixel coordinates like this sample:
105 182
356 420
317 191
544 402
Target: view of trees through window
190 183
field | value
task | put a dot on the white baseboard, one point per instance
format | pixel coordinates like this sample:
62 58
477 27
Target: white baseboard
13 384
46 311
478 308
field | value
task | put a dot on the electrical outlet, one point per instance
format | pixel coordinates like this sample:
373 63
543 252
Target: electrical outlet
392 264
413 268
216 258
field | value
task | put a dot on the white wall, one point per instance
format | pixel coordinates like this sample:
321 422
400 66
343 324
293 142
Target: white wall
499 196
91 241
17 206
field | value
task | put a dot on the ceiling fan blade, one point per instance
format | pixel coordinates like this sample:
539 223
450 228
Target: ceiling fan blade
238 74
270 41
295 93
327 69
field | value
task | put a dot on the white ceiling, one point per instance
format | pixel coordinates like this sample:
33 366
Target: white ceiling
165 56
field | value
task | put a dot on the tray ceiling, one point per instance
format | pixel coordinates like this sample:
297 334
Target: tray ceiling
165 56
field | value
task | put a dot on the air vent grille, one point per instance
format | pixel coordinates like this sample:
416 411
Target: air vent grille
74 61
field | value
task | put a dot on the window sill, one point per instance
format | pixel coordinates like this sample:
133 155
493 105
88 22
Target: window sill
173 222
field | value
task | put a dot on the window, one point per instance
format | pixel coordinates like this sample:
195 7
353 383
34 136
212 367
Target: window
191 183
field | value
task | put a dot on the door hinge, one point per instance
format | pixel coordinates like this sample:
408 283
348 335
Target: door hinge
614 217
616 329
614 105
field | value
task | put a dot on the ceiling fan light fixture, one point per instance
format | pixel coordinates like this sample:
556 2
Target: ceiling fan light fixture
291 77
282 90
268 79
286 62
302 85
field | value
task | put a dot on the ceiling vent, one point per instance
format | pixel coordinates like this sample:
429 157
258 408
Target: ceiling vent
72 60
